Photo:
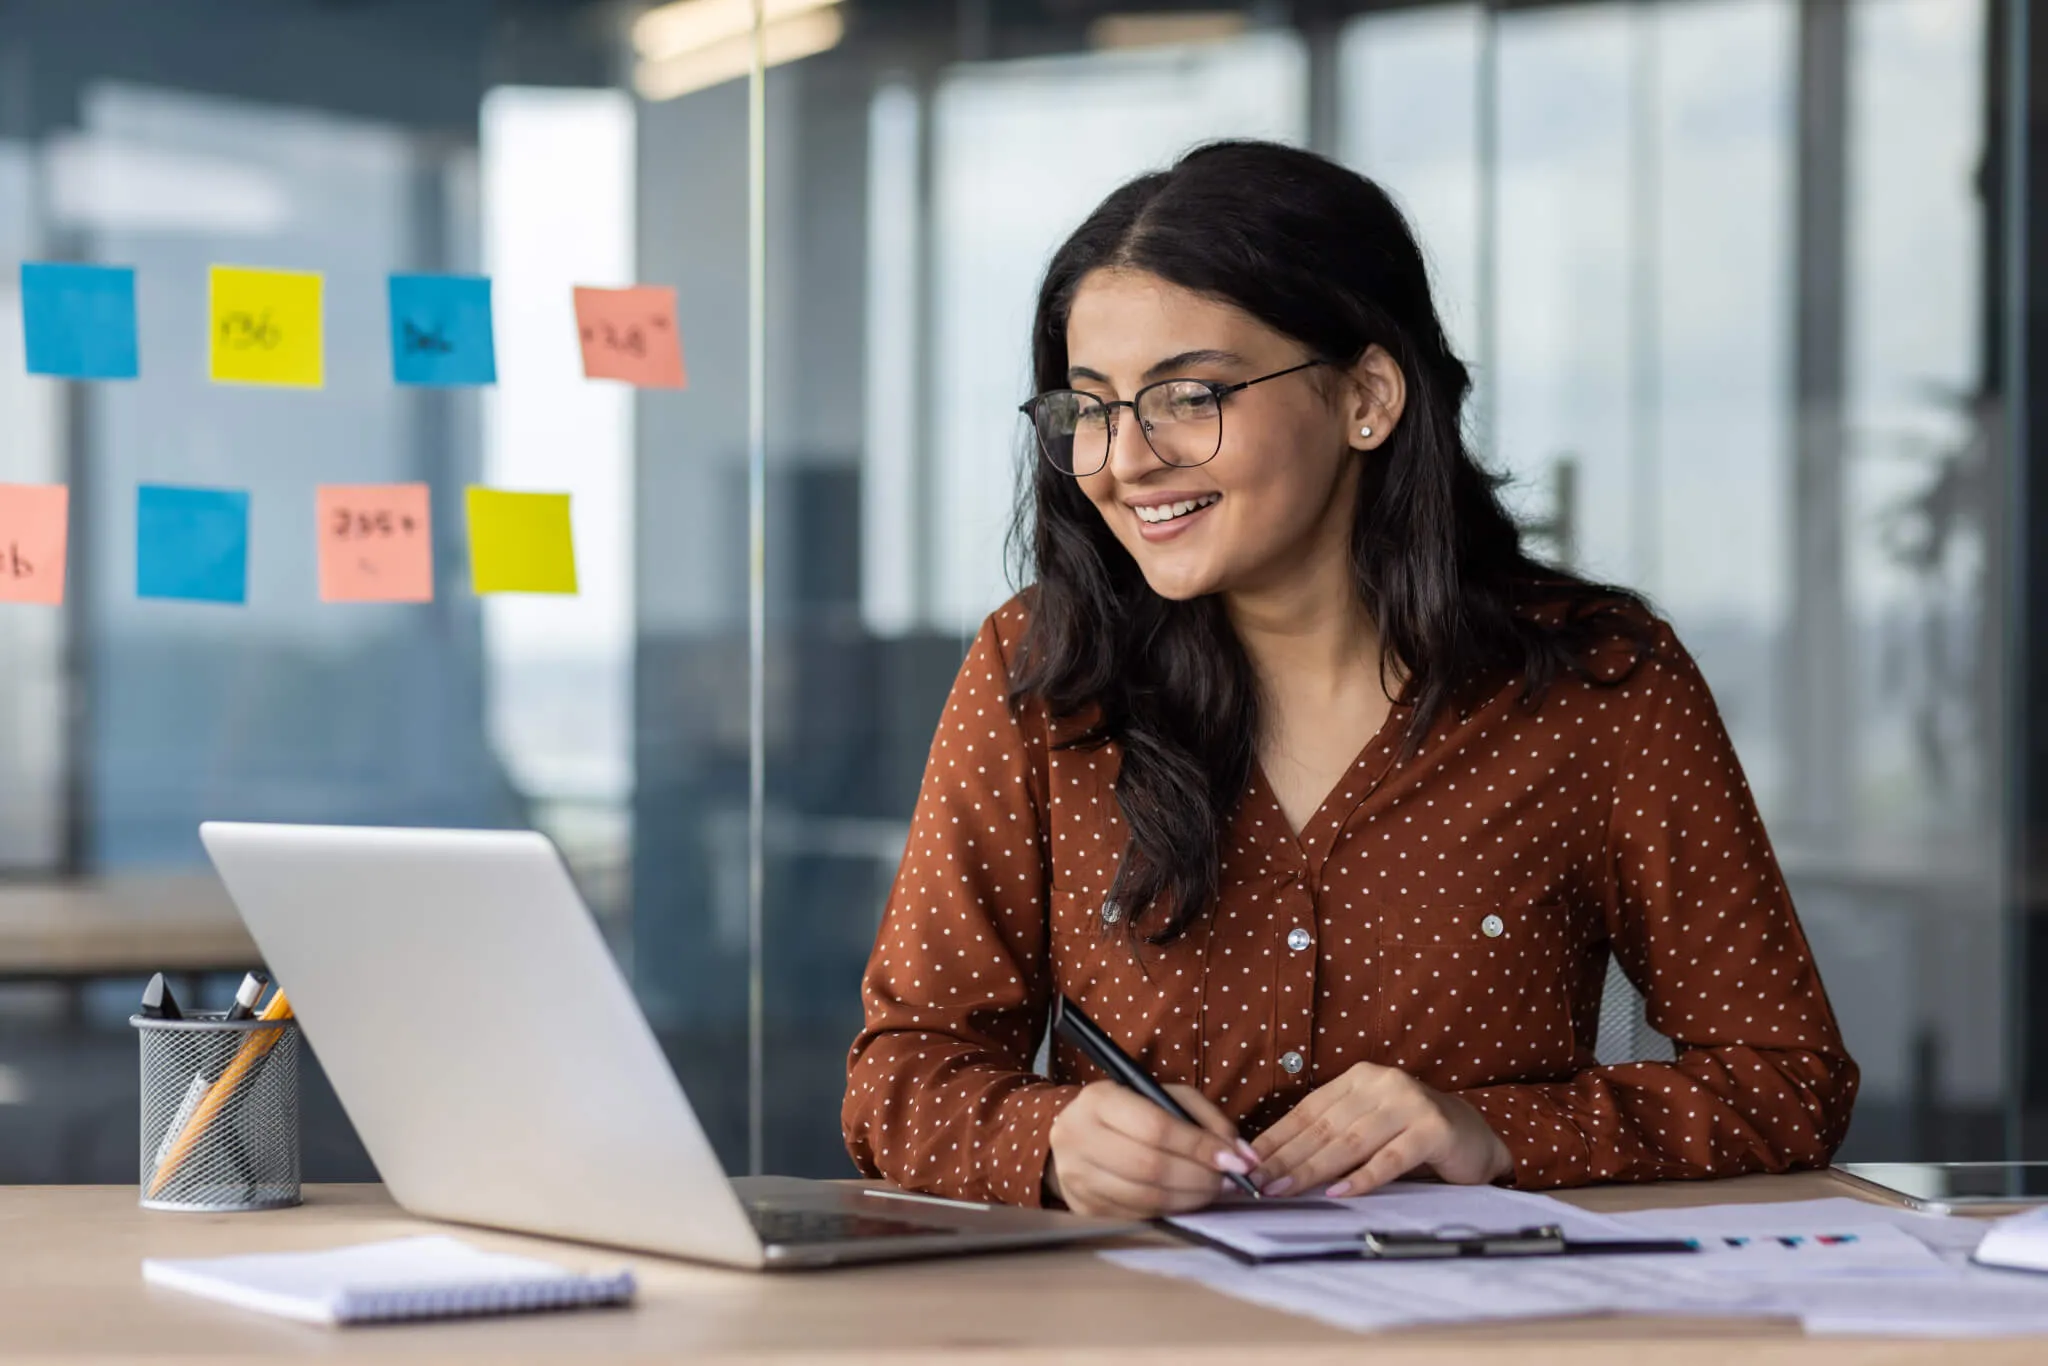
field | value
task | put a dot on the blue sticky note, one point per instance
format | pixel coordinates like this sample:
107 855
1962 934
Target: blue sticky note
441 330
79 321
192 543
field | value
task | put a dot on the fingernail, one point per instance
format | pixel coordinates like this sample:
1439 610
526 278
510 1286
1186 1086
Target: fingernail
1231 1162
1341 1188
1251 1154
1280 1187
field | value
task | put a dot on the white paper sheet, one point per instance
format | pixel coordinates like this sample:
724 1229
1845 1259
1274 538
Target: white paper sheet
1851 1267
1943 1233
1369 1295
1979 1303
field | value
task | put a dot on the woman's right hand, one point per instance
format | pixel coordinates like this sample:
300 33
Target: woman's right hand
1117 1155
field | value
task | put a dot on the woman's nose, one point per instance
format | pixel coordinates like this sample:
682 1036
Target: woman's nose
1130 455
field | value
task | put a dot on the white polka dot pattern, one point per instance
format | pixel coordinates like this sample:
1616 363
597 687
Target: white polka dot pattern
1450 915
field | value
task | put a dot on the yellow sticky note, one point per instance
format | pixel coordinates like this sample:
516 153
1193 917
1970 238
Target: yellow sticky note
266 327
520 542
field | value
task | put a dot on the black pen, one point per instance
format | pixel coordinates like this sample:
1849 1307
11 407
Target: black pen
246 997
1082 1032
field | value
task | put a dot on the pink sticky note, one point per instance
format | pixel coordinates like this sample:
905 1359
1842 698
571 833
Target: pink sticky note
376 543
33 525
631 334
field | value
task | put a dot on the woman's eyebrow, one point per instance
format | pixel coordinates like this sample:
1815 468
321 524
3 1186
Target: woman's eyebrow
1167 368
1173 365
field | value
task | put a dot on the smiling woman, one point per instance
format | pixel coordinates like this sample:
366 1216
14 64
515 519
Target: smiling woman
1293 769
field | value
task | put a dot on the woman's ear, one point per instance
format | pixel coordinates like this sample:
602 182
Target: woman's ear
1379 394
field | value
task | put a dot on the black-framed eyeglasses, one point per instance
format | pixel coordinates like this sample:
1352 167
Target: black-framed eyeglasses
1182 420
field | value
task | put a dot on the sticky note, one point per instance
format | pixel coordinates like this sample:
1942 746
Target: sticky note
191 543
376 543
520 542
79 321
441 330
266 327
32 541
630 334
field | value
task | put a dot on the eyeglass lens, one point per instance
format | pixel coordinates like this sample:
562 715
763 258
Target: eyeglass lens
1180 419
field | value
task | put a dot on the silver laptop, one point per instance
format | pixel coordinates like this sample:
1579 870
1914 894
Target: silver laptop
499 1071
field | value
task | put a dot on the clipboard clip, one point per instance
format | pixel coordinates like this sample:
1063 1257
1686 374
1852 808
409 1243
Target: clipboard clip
1542 1240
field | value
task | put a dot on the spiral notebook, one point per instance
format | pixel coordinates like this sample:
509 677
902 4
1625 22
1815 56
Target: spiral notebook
431 1277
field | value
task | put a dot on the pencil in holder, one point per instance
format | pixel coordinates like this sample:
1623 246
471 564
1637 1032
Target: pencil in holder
220 1113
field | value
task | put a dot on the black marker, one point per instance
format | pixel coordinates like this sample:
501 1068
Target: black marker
157 1001
1082 1032
246 997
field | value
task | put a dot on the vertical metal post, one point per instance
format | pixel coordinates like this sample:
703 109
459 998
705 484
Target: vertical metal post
1646 277
1486 94
1323 36
1819 709
757 581
2021 728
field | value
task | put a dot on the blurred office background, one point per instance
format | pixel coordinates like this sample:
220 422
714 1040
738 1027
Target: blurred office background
1743 283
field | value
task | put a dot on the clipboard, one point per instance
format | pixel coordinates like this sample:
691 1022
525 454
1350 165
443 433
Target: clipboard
1377 1245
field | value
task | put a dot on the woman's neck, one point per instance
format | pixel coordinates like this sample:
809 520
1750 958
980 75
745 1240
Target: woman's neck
1311 634
1317 653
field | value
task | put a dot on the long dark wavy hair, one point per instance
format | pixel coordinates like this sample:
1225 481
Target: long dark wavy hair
1320 254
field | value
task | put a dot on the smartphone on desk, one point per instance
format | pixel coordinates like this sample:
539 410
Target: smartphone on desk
1956 1187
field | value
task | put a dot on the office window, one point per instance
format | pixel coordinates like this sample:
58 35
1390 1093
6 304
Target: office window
1726 271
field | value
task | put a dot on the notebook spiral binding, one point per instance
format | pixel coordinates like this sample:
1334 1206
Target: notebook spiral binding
461 1301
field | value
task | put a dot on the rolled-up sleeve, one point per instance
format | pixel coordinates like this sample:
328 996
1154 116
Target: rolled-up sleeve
940 1095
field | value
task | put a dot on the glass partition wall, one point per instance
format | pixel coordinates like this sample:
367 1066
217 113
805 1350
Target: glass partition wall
1734 276
1720 267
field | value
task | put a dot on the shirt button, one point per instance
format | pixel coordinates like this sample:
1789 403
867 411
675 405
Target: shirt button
1290 1062
1492 926
1297 939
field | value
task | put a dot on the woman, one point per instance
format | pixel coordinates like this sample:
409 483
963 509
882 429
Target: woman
1298 774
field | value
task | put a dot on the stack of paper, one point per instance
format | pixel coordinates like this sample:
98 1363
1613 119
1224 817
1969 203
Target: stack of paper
1839 1266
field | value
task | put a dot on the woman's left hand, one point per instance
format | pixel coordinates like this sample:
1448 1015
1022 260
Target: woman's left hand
1371 1125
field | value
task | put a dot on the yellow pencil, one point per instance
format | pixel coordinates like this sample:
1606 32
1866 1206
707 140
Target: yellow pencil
252 1051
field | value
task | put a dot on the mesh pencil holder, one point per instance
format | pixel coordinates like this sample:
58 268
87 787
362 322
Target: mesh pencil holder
220 1113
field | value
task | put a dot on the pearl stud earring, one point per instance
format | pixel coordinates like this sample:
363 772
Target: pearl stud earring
1365 431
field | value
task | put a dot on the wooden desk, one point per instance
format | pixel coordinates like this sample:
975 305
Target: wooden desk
71 1290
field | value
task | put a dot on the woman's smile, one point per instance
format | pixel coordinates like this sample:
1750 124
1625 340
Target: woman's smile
1164 516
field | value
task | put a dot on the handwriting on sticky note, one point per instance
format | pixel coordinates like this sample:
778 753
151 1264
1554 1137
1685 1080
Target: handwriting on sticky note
631 335
441 330
376 542
33 526
425 339
520 542
267 327
78 321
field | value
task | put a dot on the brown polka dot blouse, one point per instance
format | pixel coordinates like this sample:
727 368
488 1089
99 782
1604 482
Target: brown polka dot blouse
1450 915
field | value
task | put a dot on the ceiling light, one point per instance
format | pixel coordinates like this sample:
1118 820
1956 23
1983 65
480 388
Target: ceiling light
1165 30
692 25
784 40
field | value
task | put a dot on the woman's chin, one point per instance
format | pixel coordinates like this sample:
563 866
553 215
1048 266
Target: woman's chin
1179 583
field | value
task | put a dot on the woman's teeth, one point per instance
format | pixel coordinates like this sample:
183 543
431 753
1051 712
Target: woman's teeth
1166 512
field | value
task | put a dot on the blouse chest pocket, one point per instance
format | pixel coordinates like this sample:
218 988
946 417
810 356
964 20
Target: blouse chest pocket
1474 991
1503 929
